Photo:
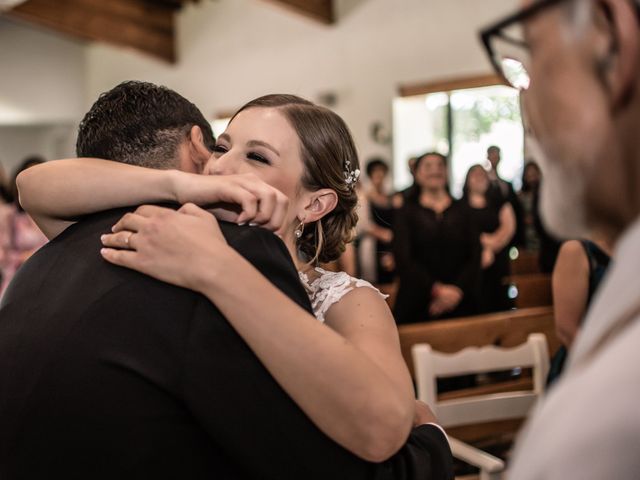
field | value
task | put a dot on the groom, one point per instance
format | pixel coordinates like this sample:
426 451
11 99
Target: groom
107 373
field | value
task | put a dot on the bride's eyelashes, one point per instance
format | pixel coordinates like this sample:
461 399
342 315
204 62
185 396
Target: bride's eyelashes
220 150
258 158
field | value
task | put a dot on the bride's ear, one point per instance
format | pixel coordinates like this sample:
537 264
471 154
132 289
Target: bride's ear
198 150
319 204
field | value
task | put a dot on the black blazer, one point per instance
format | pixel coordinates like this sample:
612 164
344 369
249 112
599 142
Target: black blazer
107 373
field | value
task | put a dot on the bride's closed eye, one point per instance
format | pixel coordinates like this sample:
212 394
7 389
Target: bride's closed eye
258 158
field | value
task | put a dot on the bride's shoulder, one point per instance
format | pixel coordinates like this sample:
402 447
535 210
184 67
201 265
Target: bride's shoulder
327 279
327 288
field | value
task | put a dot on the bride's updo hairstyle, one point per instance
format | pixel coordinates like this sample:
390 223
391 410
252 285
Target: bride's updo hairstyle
330 161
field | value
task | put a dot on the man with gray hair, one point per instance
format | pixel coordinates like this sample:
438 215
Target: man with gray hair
578 65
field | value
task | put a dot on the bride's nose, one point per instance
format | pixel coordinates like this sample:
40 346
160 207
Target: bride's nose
220 165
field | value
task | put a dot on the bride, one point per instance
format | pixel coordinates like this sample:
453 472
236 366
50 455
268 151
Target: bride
349 378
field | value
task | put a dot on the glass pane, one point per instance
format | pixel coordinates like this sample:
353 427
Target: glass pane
483 117
419 125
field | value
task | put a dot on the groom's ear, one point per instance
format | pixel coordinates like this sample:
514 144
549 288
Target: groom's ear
199 153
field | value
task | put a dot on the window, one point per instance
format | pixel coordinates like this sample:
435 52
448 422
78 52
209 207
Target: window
462 123
219 125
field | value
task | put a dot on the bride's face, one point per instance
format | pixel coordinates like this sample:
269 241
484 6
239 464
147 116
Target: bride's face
261 141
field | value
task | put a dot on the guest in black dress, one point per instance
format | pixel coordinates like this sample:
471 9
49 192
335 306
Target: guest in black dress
495 221
531 176
536 238
381 209
502 190
549 245
437 249
578 272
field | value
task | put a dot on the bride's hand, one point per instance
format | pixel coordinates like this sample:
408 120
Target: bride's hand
241 198
178 247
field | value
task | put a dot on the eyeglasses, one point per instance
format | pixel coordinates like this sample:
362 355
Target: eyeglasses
507 49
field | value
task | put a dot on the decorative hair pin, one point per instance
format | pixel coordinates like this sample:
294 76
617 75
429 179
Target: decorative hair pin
350 176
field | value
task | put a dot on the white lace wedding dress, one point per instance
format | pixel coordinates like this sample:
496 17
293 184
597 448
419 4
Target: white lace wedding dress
328 288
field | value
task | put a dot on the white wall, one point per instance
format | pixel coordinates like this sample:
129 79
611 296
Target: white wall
233 50
48 141
42 76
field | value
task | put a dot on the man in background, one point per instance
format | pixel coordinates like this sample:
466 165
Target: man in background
581 93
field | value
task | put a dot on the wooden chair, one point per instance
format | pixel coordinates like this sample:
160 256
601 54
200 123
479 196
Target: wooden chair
480 408
505 329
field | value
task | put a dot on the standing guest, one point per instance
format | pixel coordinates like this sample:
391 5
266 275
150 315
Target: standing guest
527 196
407 192
20 237
503 191
496 223
549 244
437 249
579 269
536 237
581 92
365 244
381 208
348 261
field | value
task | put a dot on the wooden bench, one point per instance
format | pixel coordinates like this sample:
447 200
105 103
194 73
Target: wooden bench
525 263
532 289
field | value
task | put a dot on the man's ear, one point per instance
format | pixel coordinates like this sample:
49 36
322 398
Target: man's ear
618 65
198 151
318 204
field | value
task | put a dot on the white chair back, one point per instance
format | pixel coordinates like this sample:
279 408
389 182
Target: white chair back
431 365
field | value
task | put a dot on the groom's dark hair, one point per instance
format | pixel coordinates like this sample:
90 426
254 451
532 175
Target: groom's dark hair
141 124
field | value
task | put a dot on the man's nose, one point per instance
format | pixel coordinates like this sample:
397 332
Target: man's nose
209 168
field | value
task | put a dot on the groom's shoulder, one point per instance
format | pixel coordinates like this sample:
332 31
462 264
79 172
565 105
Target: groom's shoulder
88 224
73 262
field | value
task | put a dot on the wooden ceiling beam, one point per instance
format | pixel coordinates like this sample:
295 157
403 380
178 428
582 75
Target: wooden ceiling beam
319 10
145 25
448 85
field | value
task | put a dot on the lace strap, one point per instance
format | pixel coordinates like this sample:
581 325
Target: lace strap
330 288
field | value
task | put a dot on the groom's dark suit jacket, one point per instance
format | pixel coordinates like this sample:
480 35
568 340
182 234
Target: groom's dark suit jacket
107 373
